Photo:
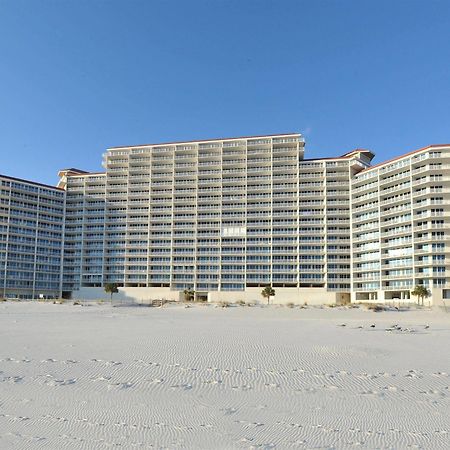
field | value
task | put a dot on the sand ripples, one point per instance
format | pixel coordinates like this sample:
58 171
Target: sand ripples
213 378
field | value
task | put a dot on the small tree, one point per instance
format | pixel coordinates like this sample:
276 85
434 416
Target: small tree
421 292
111 288
189 295
268 292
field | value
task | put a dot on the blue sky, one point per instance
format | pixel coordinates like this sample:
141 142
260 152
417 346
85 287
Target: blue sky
78 76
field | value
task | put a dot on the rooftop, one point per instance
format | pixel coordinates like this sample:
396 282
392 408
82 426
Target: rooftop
208 140
405 155
73 169
344 156
21 180
85 174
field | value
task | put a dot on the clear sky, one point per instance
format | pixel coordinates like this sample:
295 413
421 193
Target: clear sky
78 76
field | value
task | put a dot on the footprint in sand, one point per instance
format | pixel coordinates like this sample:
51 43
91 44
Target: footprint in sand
100 378
369 392
262 446
229 411
55 419
213 382
330 387
244 387
120 386
23 360
15 418
185 387
155 381
61 382
414 374
12 379
392 389
260 407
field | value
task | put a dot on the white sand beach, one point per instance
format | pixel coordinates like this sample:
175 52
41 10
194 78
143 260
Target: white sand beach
96 377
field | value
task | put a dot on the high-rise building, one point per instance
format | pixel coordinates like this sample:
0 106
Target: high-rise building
31 236
401 226
223 217
84 243
226 217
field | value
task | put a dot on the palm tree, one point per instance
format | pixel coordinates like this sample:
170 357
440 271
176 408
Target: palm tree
421 292
268 292
111 288
189 295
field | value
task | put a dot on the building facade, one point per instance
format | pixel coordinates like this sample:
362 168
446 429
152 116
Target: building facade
223 217
31 236
401 225
84 233
226 217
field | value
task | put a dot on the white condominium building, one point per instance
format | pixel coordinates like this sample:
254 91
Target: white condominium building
31 235
227 217
400 226
214 216
84 243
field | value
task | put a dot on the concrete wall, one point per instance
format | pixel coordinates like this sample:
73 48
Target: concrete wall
282 296
435 299
390 298
310 296
130 294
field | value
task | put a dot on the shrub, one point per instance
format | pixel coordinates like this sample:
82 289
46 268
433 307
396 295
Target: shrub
421 292
240 302
224 304
111 289
375 307
189 295
290 305
268 292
